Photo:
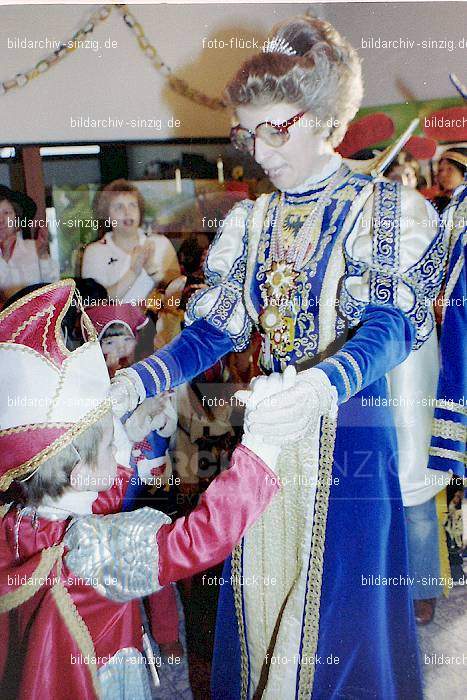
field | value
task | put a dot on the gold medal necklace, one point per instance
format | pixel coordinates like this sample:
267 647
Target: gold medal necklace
283 268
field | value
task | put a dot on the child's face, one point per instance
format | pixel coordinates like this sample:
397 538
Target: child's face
99 476
119 351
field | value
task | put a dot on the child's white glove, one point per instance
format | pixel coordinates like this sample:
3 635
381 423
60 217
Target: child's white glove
124 394
157 413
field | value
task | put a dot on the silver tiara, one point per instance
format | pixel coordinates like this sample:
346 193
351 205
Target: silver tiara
277 45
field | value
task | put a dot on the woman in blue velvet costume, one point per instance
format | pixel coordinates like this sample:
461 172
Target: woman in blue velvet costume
338 269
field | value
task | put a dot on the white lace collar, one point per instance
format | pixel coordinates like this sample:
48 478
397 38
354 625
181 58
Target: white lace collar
310 183
70 503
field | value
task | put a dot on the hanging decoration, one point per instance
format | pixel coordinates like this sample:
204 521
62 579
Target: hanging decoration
65 48
177 84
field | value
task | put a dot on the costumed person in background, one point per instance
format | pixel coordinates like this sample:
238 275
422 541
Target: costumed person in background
127 262
22 261
404 169
60 637
448 444
419 487
336 269
451 173
117 328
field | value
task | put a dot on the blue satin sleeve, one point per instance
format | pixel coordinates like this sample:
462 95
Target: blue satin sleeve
382 341
197 348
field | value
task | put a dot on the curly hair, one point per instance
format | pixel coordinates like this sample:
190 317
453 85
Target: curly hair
113 189
324 77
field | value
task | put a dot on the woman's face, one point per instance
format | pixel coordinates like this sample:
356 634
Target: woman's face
449 177
124 213
302 156
7 219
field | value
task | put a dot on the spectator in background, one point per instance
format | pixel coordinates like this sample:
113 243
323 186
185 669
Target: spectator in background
404 169
127 262
452 167
22 261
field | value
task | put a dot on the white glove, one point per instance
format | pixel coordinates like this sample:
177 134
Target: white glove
124 395
295 410
157 413
259 400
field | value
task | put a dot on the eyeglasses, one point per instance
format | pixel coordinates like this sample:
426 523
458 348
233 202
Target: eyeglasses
275 135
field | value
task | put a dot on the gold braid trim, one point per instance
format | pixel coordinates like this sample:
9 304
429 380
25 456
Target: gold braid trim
49 311
65 605
153 374
315 572
449 430
4 509
24 348
165 371
78 629
451 406
358 373
343 373
254 223
76 429
57 393
70 284
455 273
238 598
33 426
49 557
448 454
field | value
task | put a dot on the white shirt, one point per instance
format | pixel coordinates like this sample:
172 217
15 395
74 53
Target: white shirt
25 267
107 263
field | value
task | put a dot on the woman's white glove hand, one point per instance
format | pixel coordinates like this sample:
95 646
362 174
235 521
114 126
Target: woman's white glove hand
157 413
123 395
258 400
295 410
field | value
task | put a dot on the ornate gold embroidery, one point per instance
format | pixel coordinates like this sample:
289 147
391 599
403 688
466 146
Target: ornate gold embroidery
315 573
449 430
255 224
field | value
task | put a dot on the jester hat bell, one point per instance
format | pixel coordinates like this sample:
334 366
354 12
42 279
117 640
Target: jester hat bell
49 394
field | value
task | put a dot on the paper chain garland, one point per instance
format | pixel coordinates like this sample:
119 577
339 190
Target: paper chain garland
177 84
